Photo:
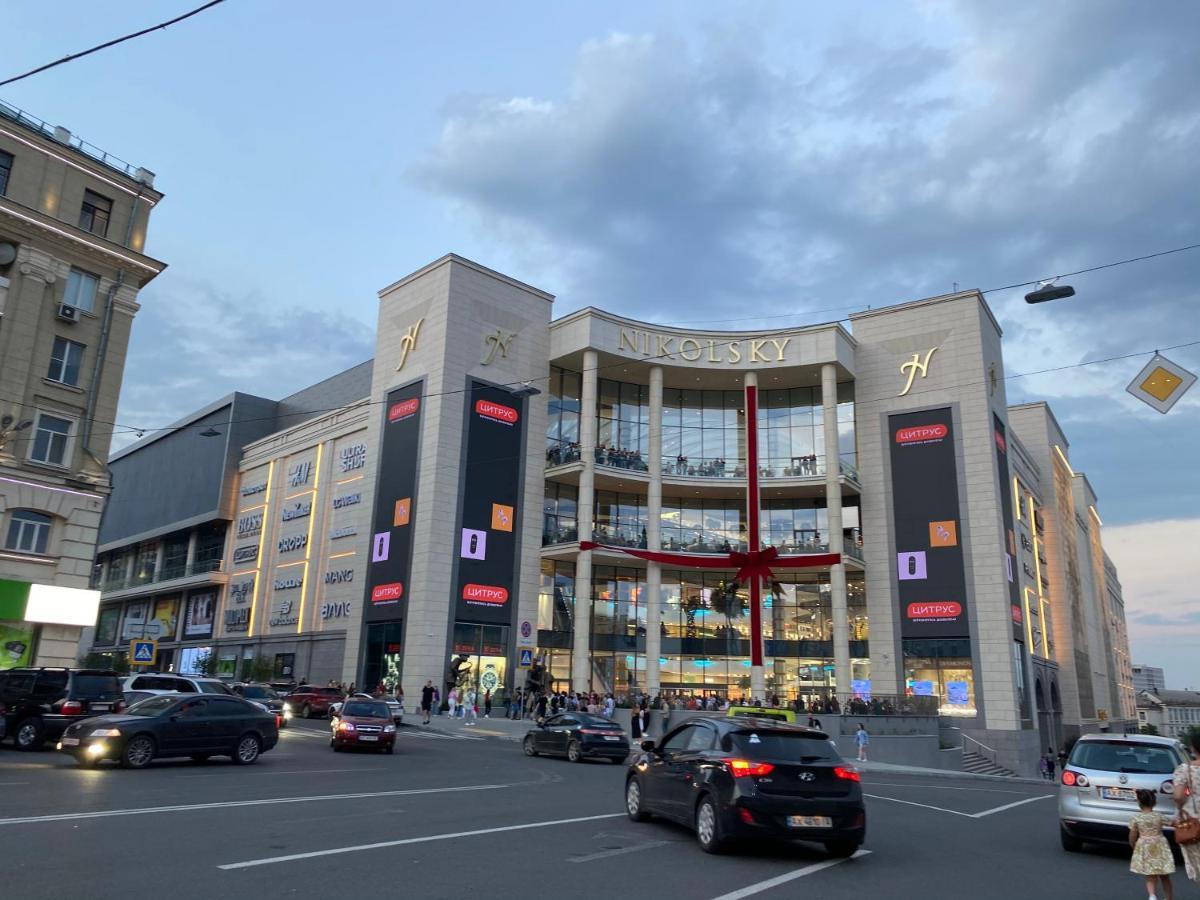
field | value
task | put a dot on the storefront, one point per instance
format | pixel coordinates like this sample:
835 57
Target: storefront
31 613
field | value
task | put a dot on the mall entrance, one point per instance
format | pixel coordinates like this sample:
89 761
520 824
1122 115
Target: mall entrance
486 650
384 659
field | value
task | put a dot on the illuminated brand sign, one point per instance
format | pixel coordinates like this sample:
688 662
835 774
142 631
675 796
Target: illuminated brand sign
709 350
384 594
921 434
335 610
339 576
299 474
288 584
237 619
295 542
296 511
245 554
352 458
240 591
254 489
942 611
347 531
285 615
250 525
403 409
915 367
497 412
485 595
346 500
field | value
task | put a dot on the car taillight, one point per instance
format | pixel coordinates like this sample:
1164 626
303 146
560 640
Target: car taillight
742 768
72 708
1167 787
597 731
1074 779
847 773
120 707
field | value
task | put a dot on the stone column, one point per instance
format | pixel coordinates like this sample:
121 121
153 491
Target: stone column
581 663
758 679
193 539
833 499
654 536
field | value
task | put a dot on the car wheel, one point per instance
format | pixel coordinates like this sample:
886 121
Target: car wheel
389 749
708 827
337 748
247 750
1070 843
527 746
138 753
30 734
842 849
574 752
633 801
199 757
306 711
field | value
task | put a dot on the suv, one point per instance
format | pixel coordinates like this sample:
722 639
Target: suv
40 703
309 699
1097 791
175 684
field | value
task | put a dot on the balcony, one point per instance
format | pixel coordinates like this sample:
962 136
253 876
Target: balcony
167 573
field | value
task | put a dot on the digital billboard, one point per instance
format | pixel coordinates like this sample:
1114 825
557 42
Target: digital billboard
385 595
486 544
931 580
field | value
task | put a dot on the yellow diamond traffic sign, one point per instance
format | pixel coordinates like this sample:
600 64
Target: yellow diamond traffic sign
1161 383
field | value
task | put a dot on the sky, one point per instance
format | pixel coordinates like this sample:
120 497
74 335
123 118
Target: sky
685 161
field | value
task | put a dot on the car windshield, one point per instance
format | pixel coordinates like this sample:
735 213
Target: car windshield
374 710
153 706
326 692
782 745
1121 756
95 687
214 687
258 692
595 721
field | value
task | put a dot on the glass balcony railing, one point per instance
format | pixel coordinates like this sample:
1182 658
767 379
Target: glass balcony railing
167 573
559 453
563 534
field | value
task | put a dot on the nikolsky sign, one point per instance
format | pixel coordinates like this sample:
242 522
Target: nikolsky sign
717 351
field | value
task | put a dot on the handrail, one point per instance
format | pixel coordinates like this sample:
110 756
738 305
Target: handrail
981 745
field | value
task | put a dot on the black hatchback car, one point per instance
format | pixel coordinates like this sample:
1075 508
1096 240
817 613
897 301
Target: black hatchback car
578 736
168 725
736 778
40 703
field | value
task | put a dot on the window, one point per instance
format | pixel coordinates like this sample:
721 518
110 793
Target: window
94 214
222 707
702 738
81 290
6 161
65 361
28 531
50 440
679 740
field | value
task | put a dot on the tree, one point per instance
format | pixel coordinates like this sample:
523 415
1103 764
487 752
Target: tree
207 664
1148 729
259 669
728 602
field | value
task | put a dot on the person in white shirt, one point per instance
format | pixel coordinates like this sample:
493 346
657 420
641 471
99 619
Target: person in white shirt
469 711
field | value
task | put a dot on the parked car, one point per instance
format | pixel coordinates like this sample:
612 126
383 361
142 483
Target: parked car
393 705
40 703
174 725
733 778
309 700
578 736
180 684
265 697
132 697
283 688
365 725
1097 790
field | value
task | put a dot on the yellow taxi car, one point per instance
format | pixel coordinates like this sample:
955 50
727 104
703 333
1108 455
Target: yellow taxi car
763 712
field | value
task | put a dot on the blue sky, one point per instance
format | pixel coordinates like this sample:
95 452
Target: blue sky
700 160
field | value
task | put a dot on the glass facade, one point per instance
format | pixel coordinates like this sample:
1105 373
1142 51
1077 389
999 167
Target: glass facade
562 428
559 514
941 670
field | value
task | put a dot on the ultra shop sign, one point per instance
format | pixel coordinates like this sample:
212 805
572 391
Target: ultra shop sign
49 604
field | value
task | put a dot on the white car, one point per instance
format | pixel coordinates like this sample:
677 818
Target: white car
169 682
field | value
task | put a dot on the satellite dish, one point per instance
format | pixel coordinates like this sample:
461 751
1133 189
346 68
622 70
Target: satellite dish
8 252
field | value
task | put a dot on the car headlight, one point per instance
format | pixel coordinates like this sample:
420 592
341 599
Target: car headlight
345 726
106 732
287 708
389 729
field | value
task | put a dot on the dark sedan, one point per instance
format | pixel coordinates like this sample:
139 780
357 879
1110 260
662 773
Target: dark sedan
578 736
265 696
736 778
174 725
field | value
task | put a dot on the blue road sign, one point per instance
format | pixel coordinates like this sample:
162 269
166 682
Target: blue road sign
143 653
526 660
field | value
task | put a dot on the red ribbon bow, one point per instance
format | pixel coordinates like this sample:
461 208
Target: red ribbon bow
751 564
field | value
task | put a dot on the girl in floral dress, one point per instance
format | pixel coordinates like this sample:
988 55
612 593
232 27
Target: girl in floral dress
1151 852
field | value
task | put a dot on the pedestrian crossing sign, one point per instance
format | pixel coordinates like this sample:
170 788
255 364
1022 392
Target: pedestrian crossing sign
143 653
526 659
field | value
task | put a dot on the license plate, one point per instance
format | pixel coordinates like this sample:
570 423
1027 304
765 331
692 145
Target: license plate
611 737
1107 793
70 742
810 822
368 737
101 707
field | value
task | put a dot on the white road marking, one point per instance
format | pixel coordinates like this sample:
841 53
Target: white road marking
757 888
292 857
324 736
955 812
287 772
616 851
944 787
233 804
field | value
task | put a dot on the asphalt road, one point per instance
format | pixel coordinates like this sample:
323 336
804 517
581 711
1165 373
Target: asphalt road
455 817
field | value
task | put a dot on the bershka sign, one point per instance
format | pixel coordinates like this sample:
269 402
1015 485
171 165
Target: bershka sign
339 577
245 554
485 595
403 409
248 526
386 594
297 510
346 500
497 412
938 611
922 434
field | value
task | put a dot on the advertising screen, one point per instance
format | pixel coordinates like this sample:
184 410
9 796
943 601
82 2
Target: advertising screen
929 562
487 541
386 592
1009 551
106 626
16 644
201 609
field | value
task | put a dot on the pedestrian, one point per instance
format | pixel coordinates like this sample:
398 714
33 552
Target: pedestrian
1051 761
610 706
427 693
1151 853
469 712
861 739
515 712
452 700
1187 799
487 704
437 701
400 698
540 709
635 724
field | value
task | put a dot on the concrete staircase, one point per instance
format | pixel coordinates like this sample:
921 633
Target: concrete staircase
981 765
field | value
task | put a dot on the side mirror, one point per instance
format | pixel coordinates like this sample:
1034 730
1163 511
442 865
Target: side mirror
648 746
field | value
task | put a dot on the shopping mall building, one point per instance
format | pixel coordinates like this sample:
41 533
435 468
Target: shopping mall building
431 502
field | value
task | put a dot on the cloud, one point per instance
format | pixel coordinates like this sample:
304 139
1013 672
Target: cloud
194 343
